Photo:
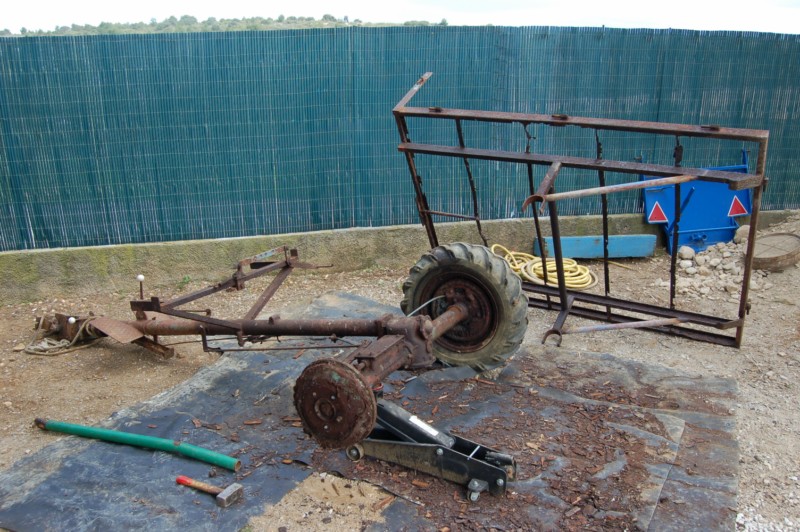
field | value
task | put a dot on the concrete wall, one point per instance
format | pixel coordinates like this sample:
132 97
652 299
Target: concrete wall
34 275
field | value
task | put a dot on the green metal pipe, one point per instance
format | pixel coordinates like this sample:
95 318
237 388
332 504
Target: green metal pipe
140 440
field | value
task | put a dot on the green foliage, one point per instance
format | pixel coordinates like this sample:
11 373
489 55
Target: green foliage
189 24
183 282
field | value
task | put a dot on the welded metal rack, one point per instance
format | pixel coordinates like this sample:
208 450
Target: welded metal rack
599 307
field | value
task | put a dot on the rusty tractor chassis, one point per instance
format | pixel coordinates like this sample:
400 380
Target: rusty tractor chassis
401 341
669 319
334 396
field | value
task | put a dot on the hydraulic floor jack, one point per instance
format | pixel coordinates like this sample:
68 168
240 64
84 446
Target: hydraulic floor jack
402 438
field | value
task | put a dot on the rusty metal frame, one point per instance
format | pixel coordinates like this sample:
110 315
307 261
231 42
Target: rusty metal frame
284 261
670 320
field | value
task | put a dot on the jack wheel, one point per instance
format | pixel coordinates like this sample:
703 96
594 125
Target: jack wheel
355 452
486 284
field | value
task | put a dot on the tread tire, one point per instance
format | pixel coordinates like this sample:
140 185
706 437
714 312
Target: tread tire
487 273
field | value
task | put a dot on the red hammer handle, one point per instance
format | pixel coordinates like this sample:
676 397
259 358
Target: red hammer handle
196 484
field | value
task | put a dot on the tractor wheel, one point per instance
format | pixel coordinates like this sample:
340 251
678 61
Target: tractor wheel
497 305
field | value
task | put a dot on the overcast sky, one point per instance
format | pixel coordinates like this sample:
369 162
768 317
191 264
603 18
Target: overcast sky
777 16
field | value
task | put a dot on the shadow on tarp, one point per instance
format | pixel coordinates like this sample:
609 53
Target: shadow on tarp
78 484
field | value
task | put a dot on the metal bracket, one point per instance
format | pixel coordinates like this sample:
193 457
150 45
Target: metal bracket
152 345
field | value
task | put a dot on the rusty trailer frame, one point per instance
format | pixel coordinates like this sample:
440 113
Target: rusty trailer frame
670 319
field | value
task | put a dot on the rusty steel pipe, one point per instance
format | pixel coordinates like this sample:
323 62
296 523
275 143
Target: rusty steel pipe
273 326
276 326
448 319
610 189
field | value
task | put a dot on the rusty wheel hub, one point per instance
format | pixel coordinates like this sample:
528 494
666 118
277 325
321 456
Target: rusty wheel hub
475 331
335 404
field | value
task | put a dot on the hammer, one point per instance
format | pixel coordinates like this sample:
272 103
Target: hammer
225 496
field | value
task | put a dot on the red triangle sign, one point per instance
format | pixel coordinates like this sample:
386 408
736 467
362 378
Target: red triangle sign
737 208
657 215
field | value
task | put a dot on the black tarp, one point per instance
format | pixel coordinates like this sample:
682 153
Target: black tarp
674 431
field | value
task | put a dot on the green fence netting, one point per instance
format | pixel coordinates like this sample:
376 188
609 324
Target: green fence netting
142 138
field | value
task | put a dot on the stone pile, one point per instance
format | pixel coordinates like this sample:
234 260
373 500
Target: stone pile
716 273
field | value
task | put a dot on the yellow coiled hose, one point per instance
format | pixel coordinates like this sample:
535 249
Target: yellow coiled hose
531 268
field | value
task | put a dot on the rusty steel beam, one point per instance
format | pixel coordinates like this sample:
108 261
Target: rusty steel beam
611 317
237 281
416 179
744 301
734 180
267 294
451 215
635 306
399 108
549 179
625 325
660 128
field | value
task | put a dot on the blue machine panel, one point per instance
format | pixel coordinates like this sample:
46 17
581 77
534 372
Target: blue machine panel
708 210
591 247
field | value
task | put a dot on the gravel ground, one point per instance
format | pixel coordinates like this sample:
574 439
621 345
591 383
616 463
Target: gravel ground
88 385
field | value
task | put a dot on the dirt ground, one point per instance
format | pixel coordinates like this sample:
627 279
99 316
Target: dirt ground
87 385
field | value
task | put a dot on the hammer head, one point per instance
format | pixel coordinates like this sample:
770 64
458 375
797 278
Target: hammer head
230 495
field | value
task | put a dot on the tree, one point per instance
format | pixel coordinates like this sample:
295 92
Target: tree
188 23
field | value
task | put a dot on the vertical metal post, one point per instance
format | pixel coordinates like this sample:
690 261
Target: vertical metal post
471 184
601 174
539 237
562 284
402 128
422 201
744 304
673 266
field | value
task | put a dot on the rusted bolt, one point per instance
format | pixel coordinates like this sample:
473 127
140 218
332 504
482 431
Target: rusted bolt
426 329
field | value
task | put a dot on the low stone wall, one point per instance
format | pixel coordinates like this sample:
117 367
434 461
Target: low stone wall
33 275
